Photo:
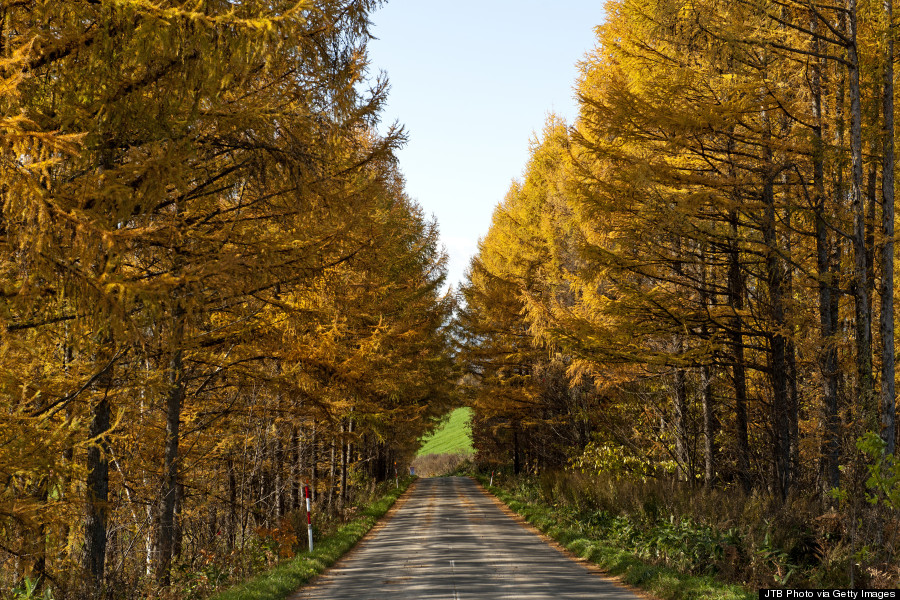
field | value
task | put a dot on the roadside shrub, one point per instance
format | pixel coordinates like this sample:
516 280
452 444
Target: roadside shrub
753 540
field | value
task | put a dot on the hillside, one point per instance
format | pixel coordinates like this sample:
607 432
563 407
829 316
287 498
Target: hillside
453 437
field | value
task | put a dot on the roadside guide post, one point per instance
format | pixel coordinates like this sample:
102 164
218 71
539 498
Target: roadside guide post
396 477
492 479
308 518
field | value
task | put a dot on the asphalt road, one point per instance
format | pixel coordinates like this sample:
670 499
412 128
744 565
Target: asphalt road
449 540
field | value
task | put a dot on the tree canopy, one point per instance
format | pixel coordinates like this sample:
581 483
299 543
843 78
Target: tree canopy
214 287
701 255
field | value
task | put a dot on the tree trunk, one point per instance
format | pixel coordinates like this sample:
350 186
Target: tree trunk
174 400
277 460
828 358
710 427
177 522
685 467
517 465
232 503
888 392
739 373
791 359
39 570
314 465
98 489
710 421
296 469
681 441
777 349
345 455
860 284
332 474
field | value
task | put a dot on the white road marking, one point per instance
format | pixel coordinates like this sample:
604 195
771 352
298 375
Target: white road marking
453 568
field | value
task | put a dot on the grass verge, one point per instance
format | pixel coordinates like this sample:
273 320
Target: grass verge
663 582
286 578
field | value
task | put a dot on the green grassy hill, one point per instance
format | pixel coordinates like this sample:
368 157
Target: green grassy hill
454 436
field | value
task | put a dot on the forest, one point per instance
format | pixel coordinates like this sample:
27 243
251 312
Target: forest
213 289
691 287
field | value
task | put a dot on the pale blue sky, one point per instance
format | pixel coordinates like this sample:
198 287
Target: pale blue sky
473 82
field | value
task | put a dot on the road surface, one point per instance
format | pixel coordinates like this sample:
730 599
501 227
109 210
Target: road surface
449 540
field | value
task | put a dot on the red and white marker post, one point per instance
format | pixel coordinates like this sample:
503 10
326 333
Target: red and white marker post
308 518
492 479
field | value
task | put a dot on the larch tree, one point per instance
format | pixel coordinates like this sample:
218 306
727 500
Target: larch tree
181 181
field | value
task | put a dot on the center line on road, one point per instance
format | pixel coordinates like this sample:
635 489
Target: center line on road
453 569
